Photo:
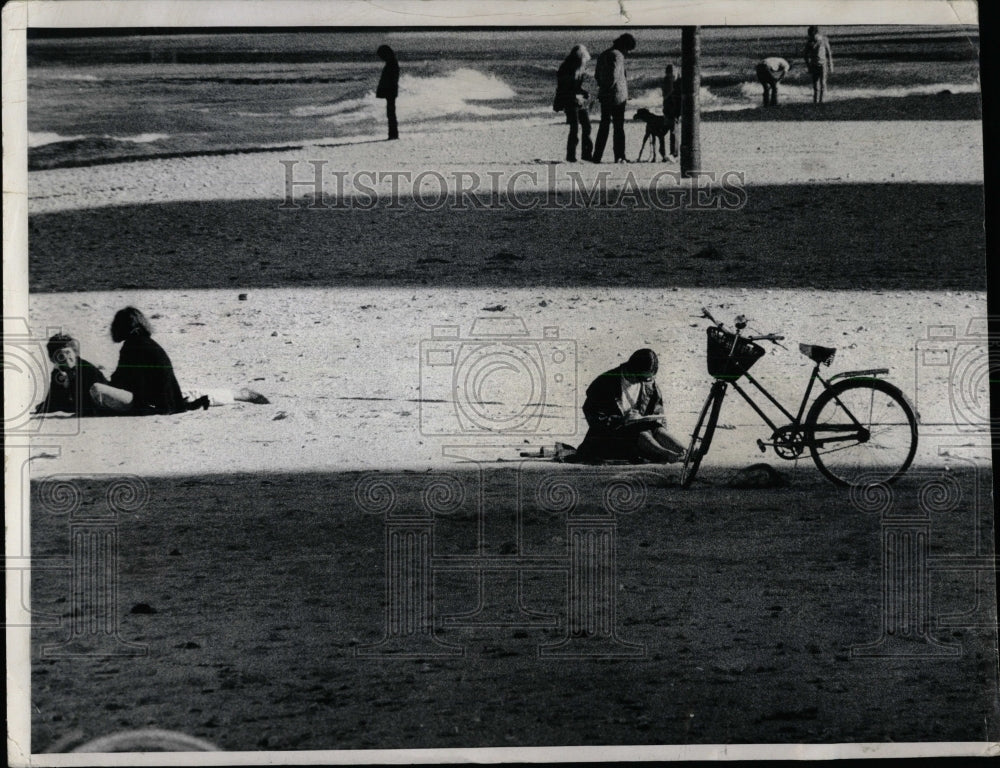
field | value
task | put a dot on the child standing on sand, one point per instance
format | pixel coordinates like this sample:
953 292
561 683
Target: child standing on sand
671 90
819 60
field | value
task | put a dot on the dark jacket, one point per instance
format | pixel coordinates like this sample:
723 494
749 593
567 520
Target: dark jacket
606 408
570 93
69 391
388 83
145 370
671 91
612 81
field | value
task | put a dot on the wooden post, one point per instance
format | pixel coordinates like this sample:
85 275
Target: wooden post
690 109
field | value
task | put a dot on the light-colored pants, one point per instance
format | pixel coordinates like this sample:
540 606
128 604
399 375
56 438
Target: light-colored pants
112 399
215 396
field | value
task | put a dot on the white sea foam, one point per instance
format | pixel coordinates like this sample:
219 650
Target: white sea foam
462 92
41 138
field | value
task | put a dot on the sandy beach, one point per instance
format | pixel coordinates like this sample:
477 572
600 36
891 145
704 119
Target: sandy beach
337 302
259 557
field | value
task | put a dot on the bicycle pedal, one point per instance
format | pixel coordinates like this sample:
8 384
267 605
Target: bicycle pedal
762 445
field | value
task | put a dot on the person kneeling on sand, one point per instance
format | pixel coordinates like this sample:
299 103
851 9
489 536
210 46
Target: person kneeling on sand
144 381
71 380
624 412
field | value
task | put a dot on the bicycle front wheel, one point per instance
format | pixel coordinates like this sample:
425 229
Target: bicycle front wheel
701 438
862 431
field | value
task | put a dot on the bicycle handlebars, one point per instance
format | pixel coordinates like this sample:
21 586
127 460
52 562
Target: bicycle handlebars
773 337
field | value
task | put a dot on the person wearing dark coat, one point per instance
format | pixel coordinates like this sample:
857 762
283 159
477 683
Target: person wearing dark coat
571 98
388 87
624 412
671 92
144 381
71 380
612 92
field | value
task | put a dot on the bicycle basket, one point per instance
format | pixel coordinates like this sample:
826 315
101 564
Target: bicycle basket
727 362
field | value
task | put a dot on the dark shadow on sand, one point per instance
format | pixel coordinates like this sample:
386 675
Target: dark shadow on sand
939 106
824 237
89 152
253 595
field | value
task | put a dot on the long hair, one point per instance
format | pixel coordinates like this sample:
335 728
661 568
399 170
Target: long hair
128 321
575 61
386 53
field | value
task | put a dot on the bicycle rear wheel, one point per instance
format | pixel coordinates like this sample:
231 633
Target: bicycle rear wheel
701 438
862 431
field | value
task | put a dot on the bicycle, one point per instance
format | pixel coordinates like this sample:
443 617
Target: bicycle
860 428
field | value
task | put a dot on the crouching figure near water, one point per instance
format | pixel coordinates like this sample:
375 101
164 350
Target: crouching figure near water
624 412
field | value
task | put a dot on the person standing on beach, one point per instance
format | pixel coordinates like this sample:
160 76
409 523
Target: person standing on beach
624 412
612 92
770 72
671 90
388 87
819 60
571 98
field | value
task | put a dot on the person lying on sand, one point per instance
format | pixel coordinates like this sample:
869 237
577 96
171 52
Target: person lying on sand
71 380
624 412
144 381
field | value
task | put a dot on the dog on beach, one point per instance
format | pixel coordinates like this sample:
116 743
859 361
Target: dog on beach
657 127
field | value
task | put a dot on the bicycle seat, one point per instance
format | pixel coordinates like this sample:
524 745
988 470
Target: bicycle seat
817 353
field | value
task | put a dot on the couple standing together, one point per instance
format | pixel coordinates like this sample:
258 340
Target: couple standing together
612 92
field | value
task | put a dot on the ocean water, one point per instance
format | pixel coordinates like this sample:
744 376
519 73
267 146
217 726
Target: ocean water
98 97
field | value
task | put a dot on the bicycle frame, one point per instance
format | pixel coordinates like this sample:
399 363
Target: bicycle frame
825 422
796 421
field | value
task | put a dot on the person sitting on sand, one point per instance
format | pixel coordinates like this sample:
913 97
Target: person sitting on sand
388 87
819 60
571 98
770 72
144 381
624 412
71 380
